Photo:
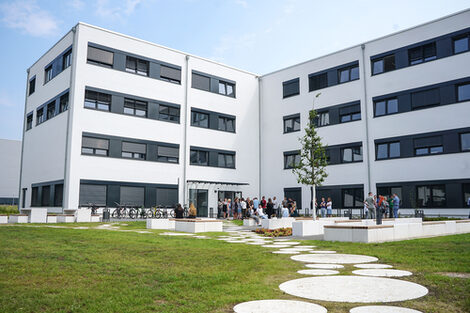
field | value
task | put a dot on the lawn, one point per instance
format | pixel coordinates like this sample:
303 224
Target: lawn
89 270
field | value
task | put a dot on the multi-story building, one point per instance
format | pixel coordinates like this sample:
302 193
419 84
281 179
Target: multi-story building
113 119
10 157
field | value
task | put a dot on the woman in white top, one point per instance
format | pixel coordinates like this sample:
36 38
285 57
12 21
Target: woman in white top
329 208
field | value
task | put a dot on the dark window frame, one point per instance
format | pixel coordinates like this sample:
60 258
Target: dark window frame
457 92
50 110
386 103
318 122
225 156
388 157
432 202
136 64
383 59
48 74
286 84
226 84
134 107
87 150
133 155
421 52
94 62
64 102
67 59
32 86
29 121
293 120
168 116
198 153
197 122
40 116
357 196
317 81
224 125
349 70
100 100
460 37
168 79
461 149
296 159
353 159
167 158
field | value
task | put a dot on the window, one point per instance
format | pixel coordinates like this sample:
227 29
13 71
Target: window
40 116
168 113
58 194
291 159
353 197
323 119
32 86
432 196
422 54
385 107
137 66
29 121
133 150
34 197
290 88
292 124
388 150
199 157
199 119
389 191
170 74
318 81
95 146
429 145
167 154
135 107
97 100
46 196
66 59
350 113
465 142
353 154
132 196
226 88
48 74
50 110
466 195
348 74
461 44
100 57
201 82
426 98
226 160
64 103
463 92
384 64
226 124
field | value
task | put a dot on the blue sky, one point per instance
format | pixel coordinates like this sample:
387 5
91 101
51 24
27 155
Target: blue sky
258 36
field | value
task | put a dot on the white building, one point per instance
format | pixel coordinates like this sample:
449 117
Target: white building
10 157
113 119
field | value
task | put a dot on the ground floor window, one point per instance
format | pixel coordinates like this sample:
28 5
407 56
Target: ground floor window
92 194
389 191
199 197
466 195
431 196
353 197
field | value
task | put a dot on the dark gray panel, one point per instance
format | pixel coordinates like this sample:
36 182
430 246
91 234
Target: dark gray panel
95 194
99 55
444 47
134 147
115 148
154 70
95 143
150 196
113 195
119 61
117 104
428 141
167 197
170 73
133 196
200 82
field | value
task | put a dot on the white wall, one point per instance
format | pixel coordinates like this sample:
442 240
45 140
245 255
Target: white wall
10 157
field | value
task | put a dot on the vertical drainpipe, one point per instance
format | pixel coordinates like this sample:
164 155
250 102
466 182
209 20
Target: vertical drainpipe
259 137
367 148
186 79
68 151
20 196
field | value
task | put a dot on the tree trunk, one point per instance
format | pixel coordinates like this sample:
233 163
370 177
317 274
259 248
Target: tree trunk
312 202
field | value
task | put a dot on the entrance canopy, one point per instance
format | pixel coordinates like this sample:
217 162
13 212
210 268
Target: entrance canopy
215 182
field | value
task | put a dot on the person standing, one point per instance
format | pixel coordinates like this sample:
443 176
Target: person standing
255 203
284 202
235 208
370 203
220 206
263 203
323 207
396 205
270 208
329 208
390 206
243 205
225 208
229 207
277 210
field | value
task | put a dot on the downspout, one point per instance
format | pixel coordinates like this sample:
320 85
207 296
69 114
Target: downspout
186 79
259 137
366 117
69 120
20 196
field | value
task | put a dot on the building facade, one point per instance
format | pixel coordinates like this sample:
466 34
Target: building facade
111 119
10 157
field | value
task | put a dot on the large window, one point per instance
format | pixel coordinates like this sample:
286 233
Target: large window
348 74
167 154
199 119
64 103
95 194
422 53
135 107
460 43
466 195
29 122
95 146
201 82
226 124
290 88
384 64
58 195
351 154
40 116
385 107
465 142
48 74
323 119
100 57
425 98
431 196
137 66
350 113
50 110
353 198
388 150
34 197
132 196
318 81
226 160
429 145
226 88
463 92
291 159
168 113
66 59
389 191
32 86
132 150
199 157
46 196
170 74
97 100
292 124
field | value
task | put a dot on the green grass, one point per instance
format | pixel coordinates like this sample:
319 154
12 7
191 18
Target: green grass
71 270
9 209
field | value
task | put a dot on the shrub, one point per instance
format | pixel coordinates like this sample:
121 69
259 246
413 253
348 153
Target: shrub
9 209
278 232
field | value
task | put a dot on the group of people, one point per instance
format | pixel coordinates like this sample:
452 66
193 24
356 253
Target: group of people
388 206
326 207
241 208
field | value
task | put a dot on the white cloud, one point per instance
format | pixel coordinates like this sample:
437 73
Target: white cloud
116 9
29 18
77 4
242 3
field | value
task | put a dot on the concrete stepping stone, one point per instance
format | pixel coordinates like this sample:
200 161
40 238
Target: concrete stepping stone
372 266
325 266
290 243
334 258
257 243
296 249
382 309
382 272
278 306
176 234
275 246
281 240
201 237
286 252
323 251
318 272
234 241
306 246
353 289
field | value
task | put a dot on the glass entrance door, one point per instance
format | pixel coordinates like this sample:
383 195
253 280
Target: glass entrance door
199 198
223 194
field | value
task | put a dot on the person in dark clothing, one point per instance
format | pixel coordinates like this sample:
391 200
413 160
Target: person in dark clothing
179 211
270 208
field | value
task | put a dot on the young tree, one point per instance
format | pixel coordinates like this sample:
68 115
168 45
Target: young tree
310 170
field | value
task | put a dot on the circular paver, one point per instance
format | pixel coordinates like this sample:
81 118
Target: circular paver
257 243
318 272
235 241
286 252
334 258
275 246
323 251
382 272
382 309
290 243
278 306
325 266
353 289
296 249
306 246
176 234
281 240
372 266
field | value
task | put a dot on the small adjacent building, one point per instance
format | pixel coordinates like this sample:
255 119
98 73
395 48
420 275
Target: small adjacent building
10 159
